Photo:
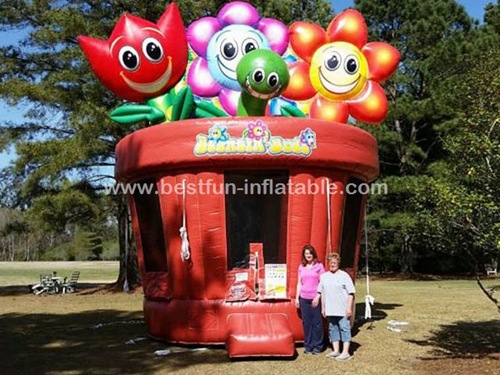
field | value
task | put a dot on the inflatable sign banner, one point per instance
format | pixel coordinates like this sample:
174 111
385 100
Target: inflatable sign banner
255 139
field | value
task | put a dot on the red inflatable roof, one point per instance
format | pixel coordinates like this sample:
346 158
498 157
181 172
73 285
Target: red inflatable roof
192 144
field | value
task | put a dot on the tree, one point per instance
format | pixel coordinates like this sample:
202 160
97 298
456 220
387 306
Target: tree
438 42
66 130
287 11
463 193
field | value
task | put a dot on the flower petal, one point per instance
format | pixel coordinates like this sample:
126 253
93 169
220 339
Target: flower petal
306 38
371 105
329 110
276 33
200 79
348 26
200 32
229 100
299 87
383 60
238 13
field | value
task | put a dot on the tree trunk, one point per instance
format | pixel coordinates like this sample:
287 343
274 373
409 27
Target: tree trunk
406 255
128 277
27 247
13 248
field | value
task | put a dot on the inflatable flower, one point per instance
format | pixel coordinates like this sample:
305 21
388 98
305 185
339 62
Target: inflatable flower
340 70
220 43
141 59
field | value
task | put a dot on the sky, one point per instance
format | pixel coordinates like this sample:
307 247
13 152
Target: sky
475 8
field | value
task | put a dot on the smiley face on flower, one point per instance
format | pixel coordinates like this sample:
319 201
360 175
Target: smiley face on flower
141 59
308 137
228 47
340 71
221 42
256 131
218 133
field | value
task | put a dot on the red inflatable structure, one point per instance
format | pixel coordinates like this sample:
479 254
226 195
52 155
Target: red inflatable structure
222 206
237 283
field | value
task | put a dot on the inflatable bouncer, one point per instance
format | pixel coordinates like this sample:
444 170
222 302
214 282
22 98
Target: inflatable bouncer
224 204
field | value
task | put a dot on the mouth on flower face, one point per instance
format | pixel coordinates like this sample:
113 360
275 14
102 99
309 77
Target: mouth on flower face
151 87
228 72
259 95
336 89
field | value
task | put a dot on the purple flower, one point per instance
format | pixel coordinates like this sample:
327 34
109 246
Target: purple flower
221 42
308 137
257 130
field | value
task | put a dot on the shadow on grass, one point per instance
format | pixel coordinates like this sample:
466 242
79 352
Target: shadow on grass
82 288
464 340
378 313
91 342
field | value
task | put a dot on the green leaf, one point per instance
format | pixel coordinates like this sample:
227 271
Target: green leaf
209 109
200 113
291 111
183 104
133 113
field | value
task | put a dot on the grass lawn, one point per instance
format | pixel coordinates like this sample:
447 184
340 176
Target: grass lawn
453 329
25 273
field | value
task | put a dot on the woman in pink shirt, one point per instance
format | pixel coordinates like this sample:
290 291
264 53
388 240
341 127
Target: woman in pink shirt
307 287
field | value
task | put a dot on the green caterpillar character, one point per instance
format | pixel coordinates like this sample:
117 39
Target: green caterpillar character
263 75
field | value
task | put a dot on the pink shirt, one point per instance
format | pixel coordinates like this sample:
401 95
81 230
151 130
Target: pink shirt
309 280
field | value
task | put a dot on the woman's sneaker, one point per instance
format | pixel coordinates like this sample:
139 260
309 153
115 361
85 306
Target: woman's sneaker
343 357
332 355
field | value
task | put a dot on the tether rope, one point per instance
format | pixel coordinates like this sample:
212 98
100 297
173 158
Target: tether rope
369 299
185 254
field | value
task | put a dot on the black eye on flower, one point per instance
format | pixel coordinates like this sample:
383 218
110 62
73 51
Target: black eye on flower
249 45
152 49
258 75
273 80
351 64
129 58
229 49
332 60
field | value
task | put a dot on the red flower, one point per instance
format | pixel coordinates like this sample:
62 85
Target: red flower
141 60
340 70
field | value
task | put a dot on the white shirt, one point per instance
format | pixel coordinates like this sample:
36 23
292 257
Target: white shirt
335 289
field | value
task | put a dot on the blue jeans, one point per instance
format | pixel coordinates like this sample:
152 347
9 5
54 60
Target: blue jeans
312 322
339 326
